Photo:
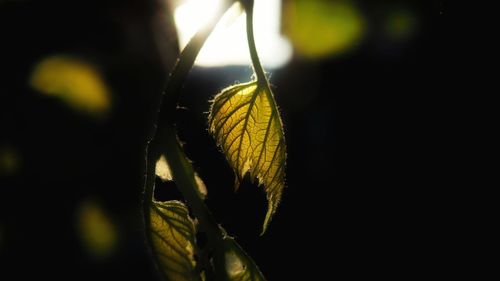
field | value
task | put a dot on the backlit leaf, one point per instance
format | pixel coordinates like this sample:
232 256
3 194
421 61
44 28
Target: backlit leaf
172 236
246 124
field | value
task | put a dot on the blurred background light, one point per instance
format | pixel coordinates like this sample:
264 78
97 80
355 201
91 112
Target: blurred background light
73 81
400 24
97 231
10 160
227 45
318 29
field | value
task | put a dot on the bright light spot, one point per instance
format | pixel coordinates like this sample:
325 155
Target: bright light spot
227 45
202 188
162 169
320 29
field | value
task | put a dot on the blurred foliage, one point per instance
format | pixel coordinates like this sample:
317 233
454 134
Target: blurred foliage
320 28
73 81
97 231
400 24
10 161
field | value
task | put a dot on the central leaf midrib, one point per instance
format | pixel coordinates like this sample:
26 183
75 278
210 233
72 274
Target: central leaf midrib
274 158
251 104
264 141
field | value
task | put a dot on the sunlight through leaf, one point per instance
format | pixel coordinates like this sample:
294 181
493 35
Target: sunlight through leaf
247 126
172 235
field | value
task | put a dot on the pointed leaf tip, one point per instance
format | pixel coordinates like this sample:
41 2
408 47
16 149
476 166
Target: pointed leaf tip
233 264
246 124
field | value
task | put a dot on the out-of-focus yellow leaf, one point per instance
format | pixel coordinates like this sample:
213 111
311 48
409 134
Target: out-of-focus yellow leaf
172 235
247 126
73 81
9 161
400 24
319 28
235 264
97 231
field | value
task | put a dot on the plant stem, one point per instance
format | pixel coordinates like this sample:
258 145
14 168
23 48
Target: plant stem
183 66
183 174
257 67
165 127
165 138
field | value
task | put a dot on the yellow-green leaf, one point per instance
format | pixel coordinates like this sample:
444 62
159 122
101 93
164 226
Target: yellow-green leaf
247 126
172 235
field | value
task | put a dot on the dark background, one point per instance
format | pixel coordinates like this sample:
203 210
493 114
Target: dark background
362 129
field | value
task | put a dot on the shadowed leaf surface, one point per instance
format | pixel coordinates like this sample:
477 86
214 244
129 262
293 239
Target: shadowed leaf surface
172 235
246 124
237 265
162 170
